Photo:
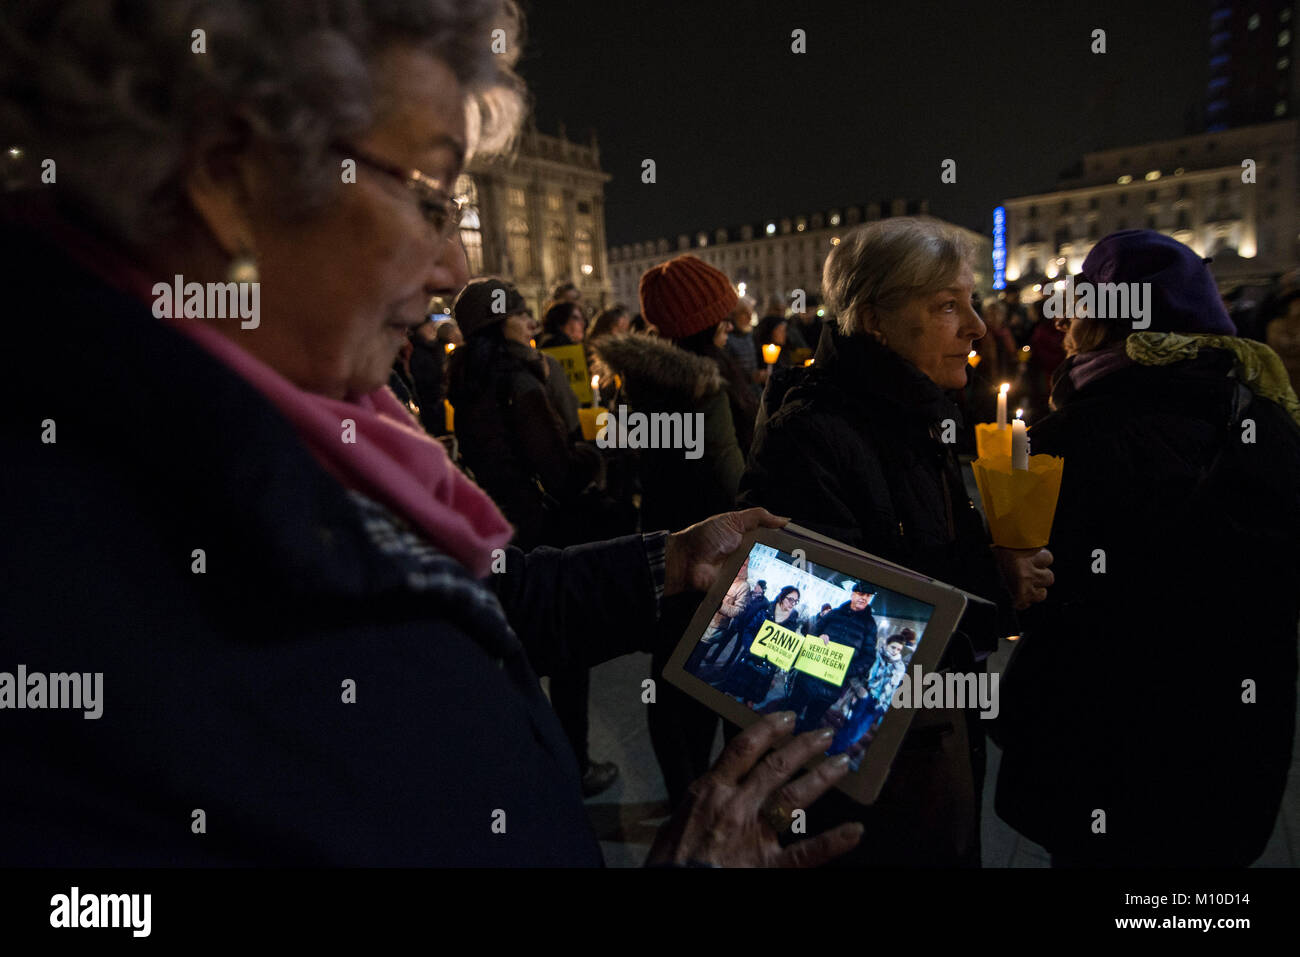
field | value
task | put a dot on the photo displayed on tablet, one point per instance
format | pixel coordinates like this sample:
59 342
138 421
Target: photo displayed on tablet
791 635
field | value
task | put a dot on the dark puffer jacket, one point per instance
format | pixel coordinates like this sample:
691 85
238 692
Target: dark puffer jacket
850 447
659 377
676 492
1176 582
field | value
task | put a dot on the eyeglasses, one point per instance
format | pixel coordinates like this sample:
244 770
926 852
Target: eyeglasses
439 208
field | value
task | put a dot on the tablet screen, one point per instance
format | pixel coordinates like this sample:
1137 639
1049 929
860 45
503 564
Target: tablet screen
791 635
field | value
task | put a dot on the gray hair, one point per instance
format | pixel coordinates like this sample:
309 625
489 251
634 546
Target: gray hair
113 93
885 263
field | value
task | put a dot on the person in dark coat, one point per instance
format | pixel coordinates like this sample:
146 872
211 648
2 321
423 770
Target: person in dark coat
683 297
562 325
1157 682
511 437
850 624
851 447
748 677
428 366
514 441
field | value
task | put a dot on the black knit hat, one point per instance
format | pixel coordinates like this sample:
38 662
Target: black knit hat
474 308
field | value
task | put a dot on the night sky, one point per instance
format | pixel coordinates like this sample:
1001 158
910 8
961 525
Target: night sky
742 129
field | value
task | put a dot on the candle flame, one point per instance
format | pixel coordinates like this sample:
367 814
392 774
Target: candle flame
450 347
1020 413
595 382
1004 388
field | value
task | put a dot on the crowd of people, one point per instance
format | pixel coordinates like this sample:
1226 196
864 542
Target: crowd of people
262 544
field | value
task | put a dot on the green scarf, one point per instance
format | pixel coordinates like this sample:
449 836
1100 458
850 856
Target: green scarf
1258 367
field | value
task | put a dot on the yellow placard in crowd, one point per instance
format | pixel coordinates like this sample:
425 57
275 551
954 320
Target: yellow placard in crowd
574 361
778 645
829 662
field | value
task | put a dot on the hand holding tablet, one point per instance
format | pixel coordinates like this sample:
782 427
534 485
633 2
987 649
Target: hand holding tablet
735 815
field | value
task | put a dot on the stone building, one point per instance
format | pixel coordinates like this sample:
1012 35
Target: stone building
1228 194
774 256
537 217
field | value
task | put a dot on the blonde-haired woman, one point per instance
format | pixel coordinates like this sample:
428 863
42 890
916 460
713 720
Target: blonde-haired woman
853 447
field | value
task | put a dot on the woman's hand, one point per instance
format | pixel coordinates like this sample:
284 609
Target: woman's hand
729 817
1026 573
693 556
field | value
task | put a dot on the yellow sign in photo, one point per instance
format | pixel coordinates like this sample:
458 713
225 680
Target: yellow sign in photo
778 645
829 662
574 361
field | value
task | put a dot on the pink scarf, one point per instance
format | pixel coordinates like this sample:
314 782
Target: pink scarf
393 460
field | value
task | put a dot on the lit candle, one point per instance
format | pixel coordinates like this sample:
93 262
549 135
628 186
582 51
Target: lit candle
1019 443
770 352
807 362
450 347
1002 404
532 343
973 358
595 383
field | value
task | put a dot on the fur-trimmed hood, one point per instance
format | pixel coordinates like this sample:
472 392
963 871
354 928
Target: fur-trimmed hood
656 373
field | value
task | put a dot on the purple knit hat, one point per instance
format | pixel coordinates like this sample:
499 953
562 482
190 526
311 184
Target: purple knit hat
1184 296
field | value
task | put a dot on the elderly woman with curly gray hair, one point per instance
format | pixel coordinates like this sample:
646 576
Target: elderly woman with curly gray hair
309 626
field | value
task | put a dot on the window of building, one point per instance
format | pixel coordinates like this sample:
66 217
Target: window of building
518 246
516 196
1279 108
1123 199
1284 38
1253 22
835 218
1151 222
582 247
701 239
584 207
471 235
1094 203
1065 207
559 245
553 202
1033 212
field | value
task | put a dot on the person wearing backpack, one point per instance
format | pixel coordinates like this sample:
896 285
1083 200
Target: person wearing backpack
1133 735
852 448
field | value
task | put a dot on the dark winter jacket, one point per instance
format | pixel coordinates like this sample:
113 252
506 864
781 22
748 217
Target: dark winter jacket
851 447
225 691
511 437
1176 585
659 377
429 374
857 629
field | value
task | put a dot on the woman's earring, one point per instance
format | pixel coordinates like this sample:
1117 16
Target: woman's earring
243 268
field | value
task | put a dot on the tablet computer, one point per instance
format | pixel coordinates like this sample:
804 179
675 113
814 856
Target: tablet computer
799 622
